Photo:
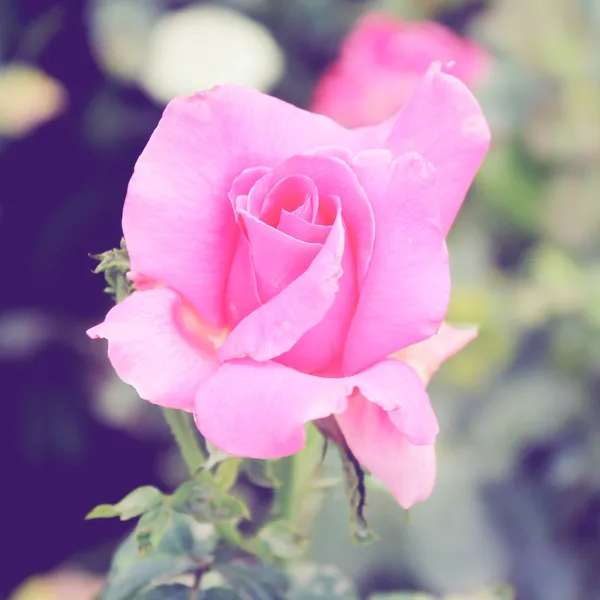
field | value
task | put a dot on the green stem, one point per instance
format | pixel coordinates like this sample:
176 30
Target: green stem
290 492
184 432
298 471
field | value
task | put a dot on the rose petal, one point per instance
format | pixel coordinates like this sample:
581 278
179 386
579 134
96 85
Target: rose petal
277 325
408 470
322 346
301 230
241 297
177 220
427 356
278 259
258 410
396 388
333 178
382 61
444 123
295 193
148 349
241 186
407 288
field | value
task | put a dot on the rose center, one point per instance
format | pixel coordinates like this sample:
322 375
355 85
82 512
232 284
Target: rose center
296 195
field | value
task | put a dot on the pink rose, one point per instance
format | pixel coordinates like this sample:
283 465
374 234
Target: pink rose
283 259
381 63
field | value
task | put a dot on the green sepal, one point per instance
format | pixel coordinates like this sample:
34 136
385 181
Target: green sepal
357 495
115 266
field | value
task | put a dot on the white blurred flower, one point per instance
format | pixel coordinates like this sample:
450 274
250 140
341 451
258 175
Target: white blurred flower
28 98
120 32
202 46
179 52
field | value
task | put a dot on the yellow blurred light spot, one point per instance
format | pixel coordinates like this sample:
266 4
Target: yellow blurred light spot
28 98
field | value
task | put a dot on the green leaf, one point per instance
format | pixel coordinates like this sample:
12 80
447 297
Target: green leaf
226 473
502 592
152 526
220 594
167 592
201 499
188 537
496 593
253 580
102 511
282 541
357 494
315 582
139 501
183 592
261 472
140 573
402 596
185 547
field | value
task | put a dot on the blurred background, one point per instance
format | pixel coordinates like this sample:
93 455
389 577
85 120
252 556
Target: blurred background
83 84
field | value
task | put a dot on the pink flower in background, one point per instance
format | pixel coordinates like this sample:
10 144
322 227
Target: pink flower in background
382 61
285 259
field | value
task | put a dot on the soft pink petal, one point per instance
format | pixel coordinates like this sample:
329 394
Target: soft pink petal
241 297
149 350
177 219
407 288
277 325
322 346
407 470
382 44
278 258
301 230
294 193
258 410
382 62
427 356
333 178
396 388
444 123
241 186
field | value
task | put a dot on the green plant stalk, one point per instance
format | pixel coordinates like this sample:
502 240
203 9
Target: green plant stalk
184 432
298 471
290 491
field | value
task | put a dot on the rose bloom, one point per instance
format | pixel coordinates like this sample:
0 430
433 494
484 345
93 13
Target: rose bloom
382 61
281 260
